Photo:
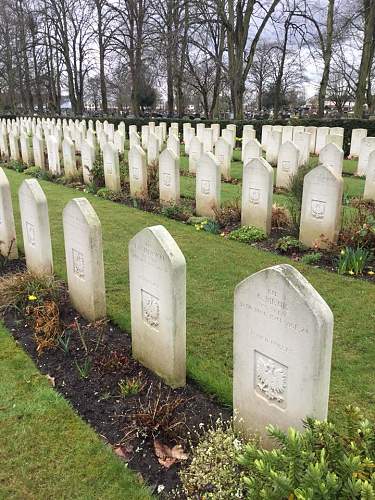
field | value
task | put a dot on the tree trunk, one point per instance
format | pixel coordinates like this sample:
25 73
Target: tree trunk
327 55
366 59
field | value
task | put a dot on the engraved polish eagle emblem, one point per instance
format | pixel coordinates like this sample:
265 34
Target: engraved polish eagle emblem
271 378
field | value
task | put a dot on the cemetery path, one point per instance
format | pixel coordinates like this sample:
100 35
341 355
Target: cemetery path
214 267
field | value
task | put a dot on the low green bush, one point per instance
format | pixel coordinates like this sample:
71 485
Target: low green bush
322 462
247 234
288 244
311 258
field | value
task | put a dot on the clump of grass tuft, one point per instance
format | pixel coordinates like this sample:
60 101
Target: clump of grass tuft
131 386
19 290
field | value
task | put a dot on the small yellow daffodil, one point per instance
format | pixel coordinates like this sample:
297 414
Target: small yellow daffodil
32 298
351 272
342 252
371 273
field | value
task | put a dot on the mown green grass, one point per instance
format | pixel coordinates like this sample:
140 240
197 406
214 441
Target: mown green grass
214 267
46 450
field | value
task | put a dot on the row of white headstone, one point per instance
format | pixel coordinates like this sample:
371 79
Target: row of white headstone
281 362
27 138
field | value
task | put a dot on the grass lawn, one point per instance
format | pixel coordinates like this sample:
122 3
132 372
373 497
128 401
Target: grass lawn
46 450
214 267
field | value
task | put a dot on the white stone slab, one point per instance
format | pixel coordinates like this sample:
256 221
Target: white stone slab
8 239
282 351
367 146
157 275
223 152
333 157
111 167
355 144
84 259
208 185
137 172
257 188
369 193
169 177
35 227
321 134
287 164
321 208
195 153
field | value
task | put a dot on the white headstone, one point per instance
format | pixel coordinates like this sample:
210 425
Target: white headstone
157 275
8 240
69 158
200 128
38 148
169 177
251 150
357 135
152 149
27 149
119 141
312 132
337 130
287 134
137 171
145 132
35 227
208 185
282 351
335 139
333 157
321 208
53 155
215 132
84 259
88 159
257 188
367 146
321 134
266 129
208 140
195 152
173 143
287 164
273 146
111 167
302 141
134 139
369 193
223 152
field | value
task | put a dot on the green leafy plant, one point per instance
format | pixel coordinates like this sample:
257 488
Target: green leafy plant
247 234
208 225
288 244
97 175
353 260
322 462
18 166
84 369
130 386
177 212
214 471
311 258
358 226
64 342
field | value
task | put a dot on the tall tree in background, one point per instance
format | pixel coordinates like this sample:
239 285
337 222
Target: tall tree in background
367 56
237 15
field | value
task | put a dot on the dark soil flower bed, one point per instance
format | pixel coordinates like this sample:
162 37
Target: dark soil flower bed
88 367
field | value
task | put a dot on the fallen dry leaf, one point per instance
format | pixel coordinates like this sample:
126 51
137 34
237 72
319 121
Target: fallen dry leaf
51 380
168 456
123 452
